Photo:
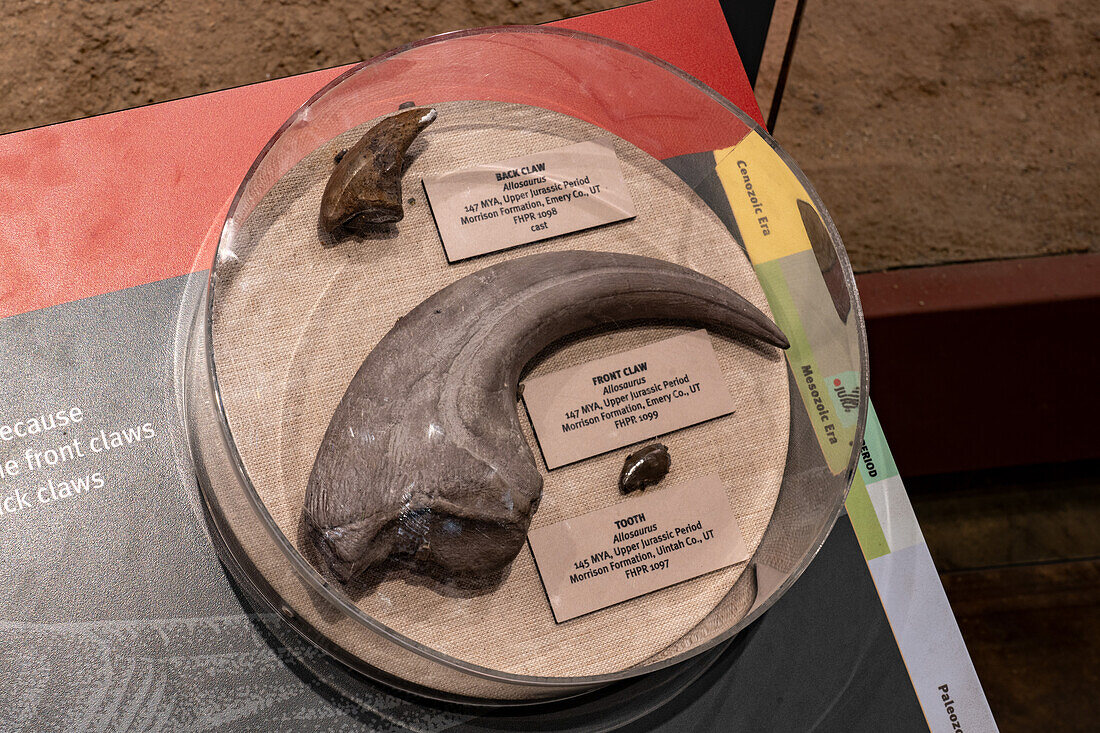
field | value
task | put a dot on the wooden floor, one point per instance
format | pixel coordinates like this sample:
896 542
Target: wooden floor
1019 555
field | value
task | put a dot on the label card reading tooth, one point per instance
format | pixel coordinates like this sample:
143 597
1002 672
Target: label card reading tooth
622 399
495 206
637 546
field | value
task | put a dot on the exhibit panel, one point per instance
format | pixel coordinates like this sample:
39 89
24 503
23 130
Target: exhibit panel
250 369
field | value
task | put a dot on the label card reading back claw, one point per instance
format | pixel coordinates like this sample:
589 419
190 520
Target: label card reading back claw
625 398
494 206
637 546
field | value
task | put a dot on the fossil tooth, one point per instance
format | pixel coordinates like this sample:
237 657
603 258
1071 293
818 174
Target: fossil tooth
424 456
822 245
365 186
644 467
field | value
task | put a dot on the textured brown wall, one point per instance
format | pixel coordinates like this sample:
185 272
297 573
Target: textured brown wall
941 131
72 58
936 131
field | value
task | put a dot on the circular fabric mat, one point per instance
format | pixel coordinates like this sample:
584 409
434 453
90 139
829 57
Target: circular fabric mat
295 315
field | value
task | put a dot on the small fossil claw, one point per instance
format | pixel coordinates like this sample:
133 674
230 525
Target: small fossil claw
425 457
365 186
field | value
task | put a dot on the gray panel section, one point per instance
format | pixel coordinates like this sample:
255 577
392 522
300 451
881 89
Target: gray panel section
114 610
133 547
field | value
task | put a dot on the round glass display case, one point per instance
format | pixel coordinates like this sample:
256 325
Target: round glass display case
405 390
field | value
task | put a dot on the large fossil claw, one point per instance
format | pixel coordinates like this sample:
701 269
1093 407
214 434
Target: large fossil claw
365 186
424 456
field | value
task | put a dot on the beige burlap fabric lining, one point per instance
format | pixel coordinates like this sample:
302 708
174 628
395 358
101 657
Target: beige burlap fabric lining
294 319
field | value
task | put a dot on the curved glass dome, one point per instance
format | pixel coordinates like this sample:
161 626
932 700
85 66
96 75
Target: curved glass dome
288 316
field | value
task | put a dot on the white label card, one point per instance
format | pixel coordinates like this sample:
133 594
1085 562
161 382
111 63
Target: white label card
637 546
494 206
622 399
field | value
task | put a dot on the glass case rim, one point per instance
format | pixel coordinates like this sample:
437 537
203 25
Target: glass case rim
312 577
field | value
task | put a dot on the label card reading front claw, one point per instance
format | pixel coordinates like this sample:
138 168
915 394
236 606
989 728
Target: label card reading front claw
625 398
494 206
637 546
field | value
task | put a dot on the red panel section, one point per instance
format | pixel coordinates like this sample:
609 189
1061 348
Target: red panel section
692 36
118 200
